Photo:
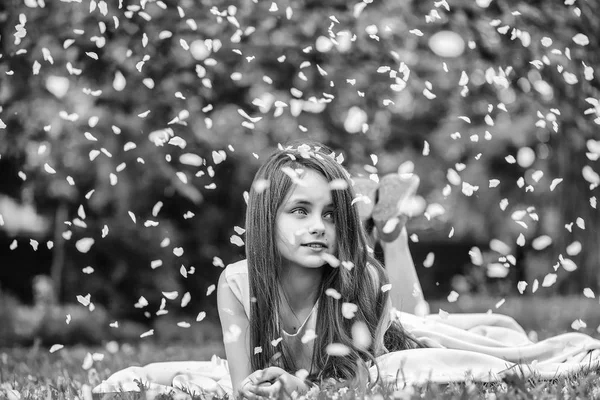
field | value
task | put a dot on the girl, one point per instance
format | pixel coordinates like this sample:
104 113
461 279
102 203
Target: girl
311 303
309 281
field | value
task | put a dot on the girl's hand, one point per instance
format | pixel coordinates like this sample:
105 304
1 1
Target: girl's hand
271 382
261 377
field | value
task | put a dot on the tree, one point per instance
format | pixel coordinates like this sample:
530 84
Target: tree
164 110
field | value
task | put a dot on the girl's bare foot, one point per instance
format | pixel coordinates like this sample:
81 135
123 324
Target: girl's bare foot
365 190
393 191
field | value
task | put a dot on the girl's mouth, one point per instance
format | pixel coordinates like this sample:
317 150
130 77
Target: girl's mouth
316 246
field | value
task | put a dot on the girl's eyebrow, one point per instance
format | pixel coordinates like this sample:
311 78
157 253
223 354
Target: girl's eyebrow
299 201
302 202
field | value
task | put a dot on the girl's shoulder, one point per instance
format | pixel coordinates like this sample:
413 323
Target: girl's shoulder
236 276
237 268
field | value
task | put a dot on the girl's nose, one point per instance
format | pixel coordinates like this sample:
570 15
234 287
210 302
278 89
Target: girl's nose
317 226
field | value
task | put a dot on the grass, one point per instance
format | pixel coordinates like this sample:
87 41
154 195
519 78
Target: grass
34 373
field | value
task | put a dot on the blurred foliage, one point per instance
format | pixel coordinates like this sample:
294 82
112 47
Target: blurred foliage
140 124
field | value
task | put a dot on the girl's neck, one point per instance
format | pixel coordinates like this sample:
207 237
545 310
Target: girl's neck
301 286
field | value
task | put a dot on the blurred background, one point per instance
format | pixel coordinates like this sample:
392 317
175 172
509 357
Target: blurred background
129 131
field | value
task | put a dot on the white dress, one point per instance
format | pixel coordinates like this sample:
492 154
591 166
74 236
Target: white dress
237 277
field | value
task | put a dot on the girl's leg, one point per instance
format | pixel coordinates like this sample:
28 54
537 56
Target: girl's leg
406 293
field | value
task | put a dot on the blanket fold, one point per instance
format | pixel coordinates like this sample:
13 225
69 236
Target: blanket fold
483 347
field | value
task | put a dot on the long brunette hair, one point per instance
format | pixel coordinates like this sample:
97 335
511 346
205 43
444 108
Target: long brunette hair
269 189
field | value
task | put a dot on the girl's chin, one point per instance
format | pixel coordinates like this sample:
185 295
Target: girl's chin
312 261
313 264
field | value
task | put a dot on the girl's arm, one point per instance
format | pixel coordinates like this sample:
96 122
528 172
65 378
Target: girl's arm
406 293
234 319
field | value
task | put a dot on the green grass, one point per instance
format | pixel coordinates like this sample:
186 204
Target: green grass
37 374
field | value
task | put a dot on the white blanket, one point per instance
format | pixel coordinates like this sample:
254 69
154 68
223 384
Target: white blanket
483 347
461 347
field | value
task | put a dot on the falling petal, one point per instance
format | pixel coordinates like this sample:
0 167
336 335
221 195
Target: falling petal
574 248
549 280
235 239
338 184
348 265
581 39
453 296
497 270
349 310
218 156
535 286
147 333
337 350
84 245
568 265
309 336
541 242
429 259
390 225
210 289
476 256
331 260
49 169
84 300
578 324
171 295
217 262
555 183
56 347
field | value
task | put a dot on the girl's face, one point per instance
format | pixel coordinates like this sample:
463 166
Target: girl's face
304 225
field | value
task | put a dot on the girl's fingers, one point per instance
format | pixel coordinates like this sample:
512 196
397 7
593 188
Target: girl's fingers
268 390
259 384
269 374
248 393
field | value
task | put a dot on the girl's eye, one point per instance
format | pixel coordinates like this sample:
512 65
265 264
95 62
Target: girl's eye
329 215
300 211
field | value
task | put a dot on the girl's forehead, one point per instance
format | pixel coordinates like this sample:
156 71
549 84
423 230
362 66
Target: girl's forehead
310 186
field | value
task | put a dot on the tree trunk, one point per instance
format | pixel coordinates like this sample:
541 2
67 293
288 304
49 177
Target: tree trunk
58 257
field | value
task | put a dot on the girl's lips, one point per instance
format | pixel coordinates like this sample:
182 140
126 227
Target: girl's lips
315 245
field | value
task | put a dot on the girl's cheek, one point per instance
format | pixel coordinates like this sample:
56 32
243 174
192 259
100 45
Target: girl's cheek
290 238
296 237
335 246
